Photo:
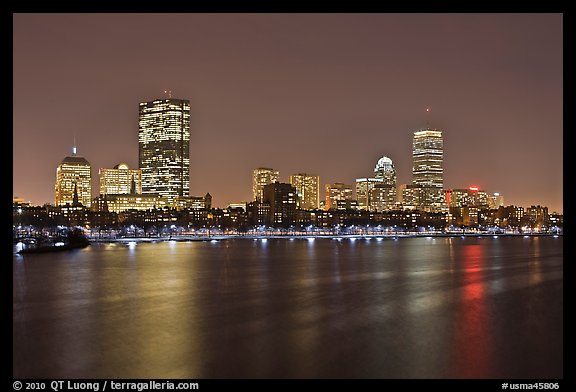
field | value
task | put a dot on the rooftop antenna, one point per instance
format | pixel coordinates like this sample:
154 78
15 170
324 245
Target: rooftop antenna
169 92
427 118
74 147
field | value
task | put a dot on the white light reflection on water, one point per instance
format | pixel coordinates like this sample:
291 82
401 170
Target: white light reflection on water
304 309
132 245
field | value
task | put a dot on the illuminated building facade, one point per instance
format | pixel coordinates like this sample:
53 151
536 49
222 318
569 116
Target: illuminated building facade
237 205
261 177
383 195
411 196
73 172
364 188
337 194
471 197
308 190
464 215
515 214
283 200
427 156
427 168
164 147
123 202
385 170
537 216
193 202
120 180
258 213
495 201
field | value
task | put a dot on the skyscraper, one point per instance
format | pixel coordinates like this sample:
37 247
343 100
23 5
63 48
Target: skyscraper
385 170
427 168
308 190
261 177
120 180
164 147
73 172
383 196
428 156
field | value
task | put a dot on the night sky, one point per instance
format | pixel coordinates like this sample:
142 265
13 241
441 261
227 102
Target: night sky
326 94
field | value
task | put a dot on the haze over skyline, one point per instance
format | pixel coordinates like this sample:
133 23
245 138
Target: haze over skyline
326 94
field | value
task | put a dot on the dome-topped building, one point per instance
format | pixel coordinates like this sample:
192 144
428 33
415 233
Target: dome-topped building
385 170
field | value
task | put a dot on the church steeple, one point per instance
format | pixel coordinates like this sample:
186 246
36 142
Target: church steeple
132 186
105 203
75 201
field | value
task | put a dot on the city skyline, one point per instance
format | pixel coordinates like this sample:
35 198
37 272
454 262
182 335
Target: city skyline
500 124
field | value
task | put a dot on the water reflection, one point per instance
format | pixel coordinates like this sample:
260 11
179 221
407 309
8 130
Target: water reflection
472 339
535 265
410 308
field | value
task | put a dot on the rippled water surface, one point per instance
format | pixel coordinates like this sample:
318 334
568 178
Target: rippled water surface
302 308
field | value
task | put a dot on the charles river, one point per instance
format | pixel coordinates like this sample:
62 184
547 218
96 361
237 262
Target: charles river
436 307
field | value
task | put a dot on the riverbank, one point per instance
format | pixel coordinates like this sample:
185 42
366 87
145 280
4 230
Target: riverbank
188 238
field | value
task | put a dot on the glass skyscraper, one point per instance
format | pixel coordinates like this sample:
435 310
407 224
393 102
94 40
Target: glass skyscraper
428 169
164 147
428 156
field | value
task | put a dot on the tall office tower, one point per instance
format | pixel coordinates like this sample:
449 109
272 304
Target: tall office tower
260 178
120 180
428 155
364 188
308 190
383 196
282 199
337 194
73 173
427 167
164 147
385 170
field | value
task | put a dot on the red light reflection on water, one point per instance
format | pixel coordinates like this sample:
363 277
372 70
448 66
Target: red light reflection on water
472 340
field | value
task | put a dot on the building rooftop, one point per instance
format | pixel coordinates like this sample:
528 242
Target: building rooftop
76 160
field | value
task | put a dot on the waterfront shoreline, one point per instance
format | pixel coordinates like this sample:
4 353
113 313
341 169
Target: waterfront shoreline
192 238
